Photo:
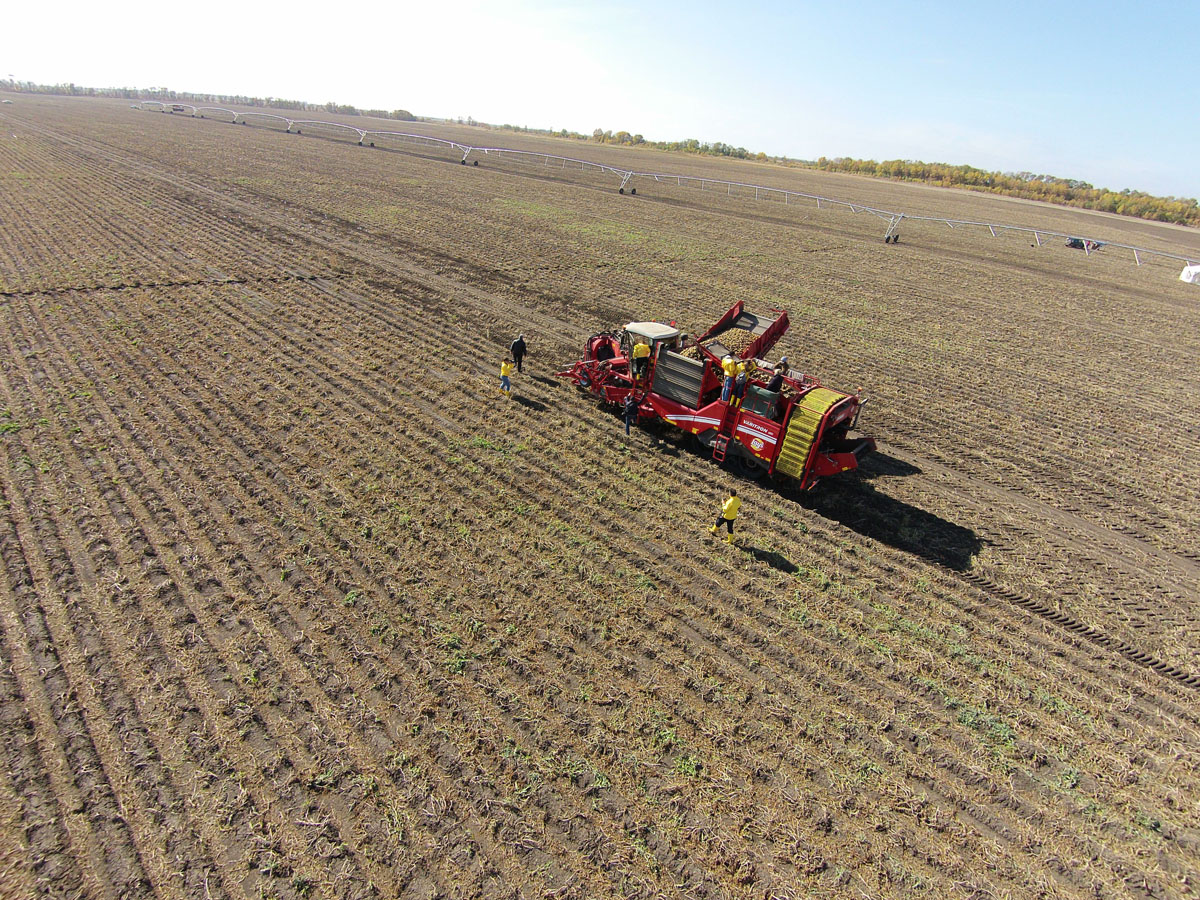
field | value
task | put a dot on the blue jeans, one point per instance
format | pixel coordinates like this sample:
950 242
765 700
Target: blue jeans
727 389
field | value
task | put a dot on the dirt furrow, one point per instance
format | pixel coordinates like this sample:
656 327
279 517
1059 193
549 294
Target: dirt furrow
485 648
168 606
27 803
129 475
95 853
187 418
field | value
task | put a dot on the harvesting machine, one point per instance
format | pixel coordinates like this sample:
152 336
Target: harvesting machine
800 431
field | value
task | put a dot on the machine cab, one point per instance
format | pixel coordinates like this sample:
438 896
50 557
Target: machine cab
655 334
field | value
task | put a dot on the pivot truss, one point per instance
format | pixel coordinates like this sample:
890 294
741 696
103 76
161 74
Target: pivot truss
741 190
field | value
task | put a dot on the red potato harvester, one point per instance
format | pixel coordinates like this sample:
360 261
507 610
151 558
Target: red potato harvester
799 432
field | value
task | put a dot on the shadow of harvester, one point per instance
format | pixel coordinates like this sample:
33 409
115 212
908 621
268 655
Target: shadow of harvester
858 505
530 403
879 464
854 501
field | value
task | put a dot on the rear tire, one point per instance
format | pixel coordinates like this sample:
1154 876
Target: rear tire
745 468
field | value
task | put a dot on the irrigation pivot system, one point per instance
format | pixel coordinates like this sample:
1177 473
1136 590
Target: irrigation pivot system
367 138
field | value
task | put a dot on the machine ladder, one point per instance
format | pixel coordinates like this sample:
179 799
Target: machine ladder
720 444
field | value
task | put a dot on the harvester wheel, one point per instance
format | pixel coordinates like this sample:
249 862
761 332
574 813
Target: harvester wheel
620 190
744 468
895 238
475 163
633 190
464 162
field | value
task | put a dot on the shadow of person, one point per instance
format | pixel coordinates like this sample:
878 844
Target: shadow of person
542 379
771 558
529 403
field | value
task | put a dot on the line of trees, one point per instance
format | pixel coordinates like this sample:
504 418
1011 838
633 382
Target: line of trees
687 145
165 94
1028 185
626 139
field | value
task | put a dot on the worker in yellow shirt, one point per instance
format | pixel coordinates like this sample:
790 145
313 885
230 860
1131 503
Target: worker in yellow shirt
641 356
729 367
729 511
739 382
506 370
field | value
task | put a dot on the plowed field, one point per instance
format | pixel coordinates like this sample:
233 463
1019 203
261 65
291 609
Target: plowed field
296 605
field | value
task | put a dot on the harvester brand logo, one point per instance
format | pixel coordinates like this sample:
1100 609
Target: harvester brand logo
756 445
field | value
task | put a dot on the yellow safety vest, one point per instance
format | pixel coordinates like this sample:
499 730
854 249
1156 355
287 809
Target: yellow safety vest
729 509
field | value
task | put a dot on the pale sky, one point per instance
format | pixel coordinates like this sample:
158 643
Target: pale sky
1102 92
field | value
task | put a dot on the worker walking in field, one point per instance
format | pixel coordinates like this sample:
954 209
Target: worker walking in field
630 410
729 511
641 358
506 370
518 350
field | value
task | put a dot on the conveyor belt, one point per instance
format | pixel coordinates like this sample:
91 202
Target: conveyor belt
803 428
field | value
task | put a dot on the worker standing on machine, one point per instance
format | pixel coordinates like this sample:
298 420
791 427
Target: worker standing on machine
729 511
739 382
776 382
641 356
518 350
729 367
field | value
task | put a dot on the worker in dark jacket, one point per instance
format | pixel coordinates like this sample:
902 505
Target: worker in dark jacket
518 350
630 408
